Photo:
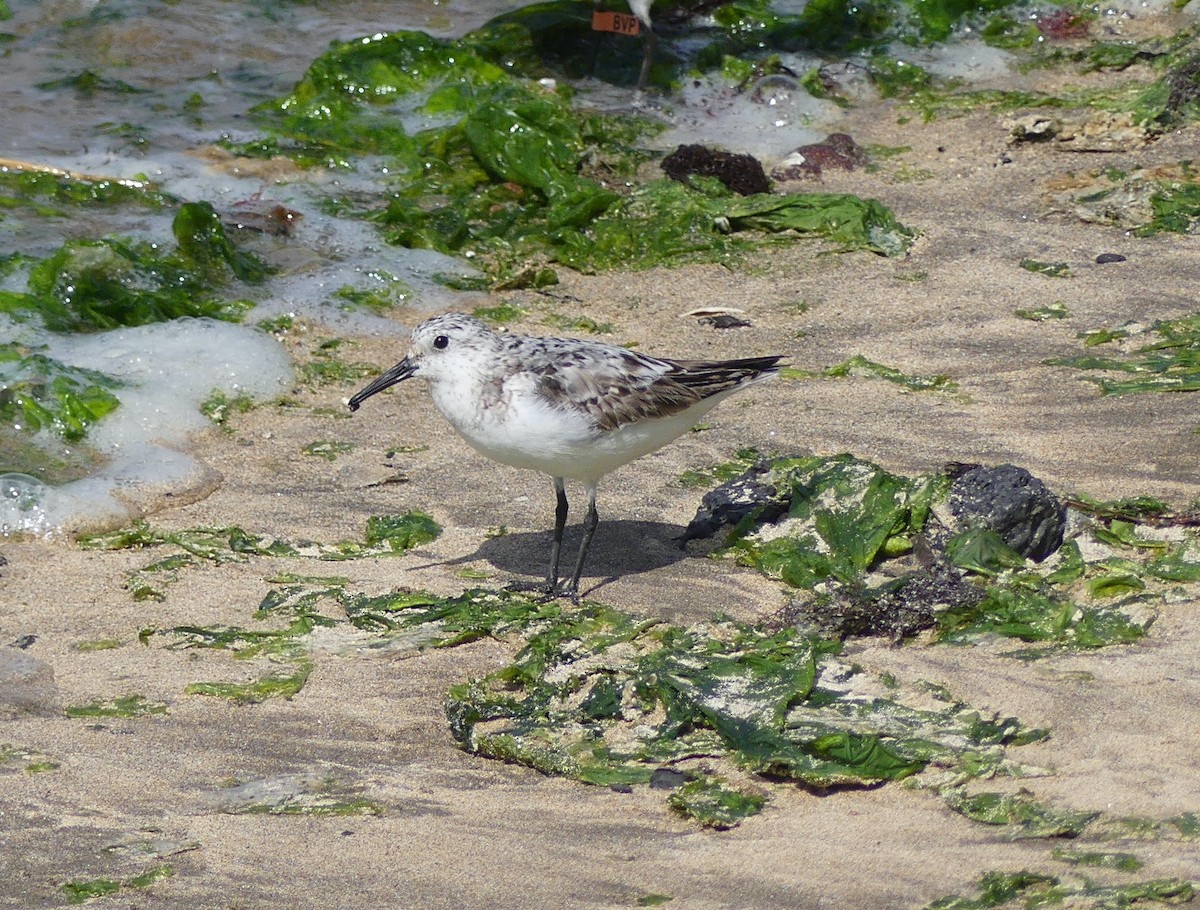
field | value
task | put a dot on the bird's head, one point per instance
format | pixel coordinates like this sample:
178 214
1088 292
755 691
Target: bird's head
443 346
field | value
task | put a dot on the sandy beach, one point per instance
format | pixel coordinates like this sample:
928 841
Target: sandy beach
453 830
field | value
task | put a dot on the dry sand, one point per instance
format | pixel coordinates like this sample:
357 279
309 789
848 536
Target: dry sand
464 832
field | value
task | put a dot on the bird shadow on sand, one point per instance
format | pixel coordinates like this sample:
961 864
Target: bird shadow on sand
620 547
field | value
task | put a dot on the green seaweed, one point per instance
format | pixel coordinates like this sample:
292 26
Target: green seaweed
1021 815
57 194
1187 824
895 78
603 697
862 367
123 706
581 324
150 581
281 684
1130 509
713 804
508 178
219 406
391 293
326 808
87 83
1120 828
38 392
1176 209
401 532
1049 269
846 517
286 643
326 797
1032 890
1125 862
33 761
719 473
654 900
847 513
452 621
1056 310
206 250
326 368
97 644
500 314
384 535
94 285
1171 363
79 891
658 694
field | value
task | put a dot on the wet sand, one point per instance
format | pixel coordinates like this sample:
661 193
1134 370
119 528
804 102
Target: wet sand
459 831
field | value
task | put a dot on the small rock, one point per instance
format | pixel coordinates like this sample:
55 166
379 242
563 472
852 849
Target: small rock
725 321
1104 258
1012 502
732 501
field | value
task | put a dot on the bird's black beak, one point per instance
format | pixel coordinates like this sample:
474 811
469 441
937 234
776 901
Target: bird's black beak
400 372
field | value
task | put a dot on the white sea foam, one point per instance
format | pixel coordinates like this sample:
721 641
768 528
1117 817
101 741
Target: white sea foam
168 370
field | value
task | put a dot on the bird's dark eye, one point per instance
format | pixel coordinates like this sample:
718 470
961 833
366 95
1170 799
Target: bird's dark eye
440 342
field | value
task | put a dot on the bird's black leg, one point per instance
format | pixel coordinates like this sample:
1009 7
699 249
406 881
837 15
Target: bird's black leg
589 528
560 522
649 43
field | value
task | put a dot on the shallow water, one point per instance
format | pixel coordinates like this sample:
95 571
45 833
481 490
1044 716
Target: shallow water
233 56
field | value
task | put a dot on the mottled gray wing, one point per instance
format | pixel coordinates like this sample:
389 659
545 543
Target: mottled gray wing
711 377
615 386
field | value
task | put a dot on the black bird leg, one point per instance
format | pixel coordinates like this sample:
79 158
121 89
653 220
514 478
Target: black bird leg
560 522
649 43
589 528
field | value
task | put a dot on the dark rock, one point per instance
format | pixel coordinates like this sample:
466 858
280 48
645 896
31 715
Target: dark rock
732 501
1104 258
725 321
743 174
1013 503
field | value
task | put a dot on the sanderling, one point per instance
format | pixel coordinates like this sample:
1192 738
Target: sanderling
569 408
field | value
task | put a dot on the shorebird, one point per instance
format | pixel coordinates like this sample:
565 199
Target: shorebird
570 408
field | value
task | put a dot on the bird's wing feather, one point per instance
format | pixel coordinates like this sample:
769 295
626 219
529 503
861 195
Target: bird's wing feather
623 386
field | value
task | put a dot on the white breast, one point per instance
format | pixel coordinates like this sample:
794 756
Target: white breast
515 426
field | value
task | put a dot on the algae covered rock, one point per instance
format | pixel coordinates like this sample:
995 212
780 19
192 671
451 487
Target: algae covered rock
1012 502
963 551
